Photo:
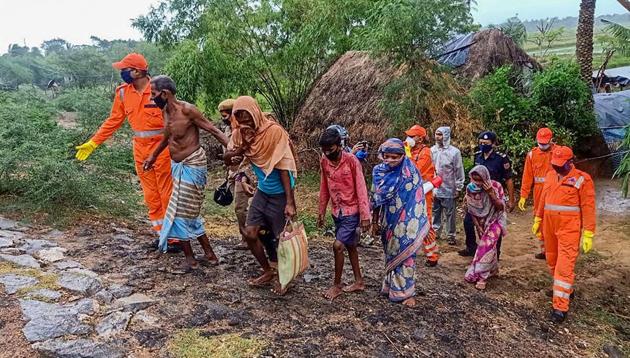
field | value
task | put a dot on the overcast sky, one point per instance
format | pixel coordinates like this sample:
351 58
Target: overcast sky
33 21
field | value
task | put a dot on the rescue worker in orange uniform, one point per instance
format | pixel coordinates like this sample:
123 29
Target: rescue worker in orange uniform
420 155
537 164
133 101
566 213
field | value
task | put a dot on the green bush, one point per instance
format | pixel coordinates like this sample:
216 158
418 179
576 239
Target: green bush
515 106
37 162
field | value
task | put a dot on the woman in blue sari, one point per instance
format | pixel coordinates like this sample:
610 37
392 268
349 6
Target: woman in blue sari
400 218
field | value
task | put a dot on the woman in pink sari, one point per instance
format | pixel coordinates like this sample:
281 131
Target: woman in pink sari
485 201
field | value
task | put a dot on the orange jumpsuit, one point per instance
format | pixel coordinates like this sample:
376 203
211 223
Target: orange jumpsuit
145 119
421 157
537 164
567 207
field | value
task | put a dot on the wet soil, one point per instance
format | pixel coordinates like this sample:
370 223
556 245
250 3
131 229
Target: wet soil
452 318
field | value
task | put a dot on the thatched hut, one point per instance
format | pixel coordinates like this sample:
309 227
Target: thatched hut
350 93
488 50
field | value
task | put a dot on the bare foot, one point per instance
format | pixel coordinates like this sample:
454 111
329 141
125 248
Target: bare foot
209 261
410 302
261 280
277 288
333 292
481 285
357 286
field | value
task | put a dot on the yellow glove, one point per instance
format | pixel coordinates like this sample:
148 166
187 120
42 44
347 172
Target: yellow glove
521 204
536 226
587 241
84 150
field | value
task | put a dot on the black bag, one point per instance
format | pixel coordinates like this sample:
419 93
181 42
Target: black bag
222 195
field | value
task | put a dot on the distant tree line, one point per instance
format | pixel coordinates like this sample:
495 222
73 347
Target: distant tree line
71 65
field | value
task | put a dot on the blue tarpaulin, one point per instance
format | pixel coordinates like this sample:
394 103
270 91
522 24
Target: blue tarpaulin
613 115
455 51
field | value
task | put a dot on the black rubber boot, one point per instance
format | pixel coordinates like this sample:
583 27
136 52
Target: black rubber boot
558 316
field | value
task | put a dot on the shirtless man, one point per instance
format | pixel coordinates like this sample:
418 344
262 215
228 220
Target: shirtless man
182 121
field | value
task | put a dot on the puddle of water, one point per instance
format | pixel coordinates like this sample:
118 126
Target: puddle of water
609 197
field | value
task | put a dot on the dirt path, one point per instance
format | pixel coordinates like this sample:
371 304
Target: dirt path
451 319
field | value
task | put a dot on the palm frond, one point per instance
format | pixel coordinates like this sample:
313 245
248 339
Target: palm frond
621 34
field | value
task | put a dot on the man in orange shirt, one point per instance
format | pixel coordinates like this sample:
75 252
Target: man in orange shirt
537 164
566 213
420 155
133 101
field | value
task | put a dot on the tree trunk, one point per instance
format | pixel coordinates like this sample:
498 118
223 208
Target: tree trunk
625 3
584 40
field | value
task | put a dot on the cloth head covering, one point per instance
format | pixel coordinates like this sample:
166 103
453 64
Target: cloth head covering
561 155
479 204
446 136
416 130
132 60
387 179
226 105
267 144
544 135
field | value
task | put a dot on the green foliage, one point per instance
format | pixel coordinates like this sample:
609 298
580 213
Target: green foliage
407 30
619 37
515 29
515 107
38 166
623 171
275 48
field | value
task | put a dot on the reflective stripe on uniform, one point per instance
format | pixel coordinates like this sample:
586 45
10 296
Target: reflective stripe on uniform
562 208
561 294
562 284
430 246
145 134
156 222
121 93
579 182
539 179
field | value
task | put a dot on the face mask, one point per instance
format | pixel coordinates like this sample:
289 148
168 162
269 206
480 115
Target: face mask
126 76
159 101
333 156
411 142
563 170
392 162
473 188
544 147
485 148
226 119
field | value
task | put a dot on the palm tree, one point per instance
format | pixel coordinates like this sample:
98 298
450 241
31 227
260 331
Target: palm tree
584 39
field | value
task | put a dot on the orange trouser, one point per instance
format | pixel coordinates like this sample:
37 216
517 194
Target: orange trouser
538 188
430 245
156 183
562 240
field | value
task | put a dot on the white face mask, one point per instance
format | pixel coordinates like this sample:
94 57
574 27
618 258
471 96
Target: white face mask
544 147
411 142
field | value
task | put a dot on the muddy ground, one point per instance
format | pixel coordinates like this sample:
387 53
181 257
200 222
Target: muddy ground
452 318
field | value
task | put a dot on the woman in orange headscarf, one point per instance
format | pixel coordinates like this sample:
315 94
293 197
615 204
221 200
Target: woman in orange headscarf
268 147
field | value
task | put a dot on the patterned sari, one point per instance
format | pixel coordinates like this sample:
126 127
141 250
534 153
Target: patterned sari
397 188
485 263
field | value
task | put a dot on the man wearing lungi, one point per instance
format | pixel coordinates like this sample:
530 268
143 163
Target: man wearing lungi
182 121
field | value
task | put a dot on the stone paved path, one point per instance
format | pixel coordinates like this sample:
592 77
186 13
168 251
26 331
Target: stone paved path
68 311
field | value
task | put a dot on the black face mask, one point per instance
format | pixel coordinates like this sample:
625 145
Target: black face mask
159 101
226 119
333 156
562 170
